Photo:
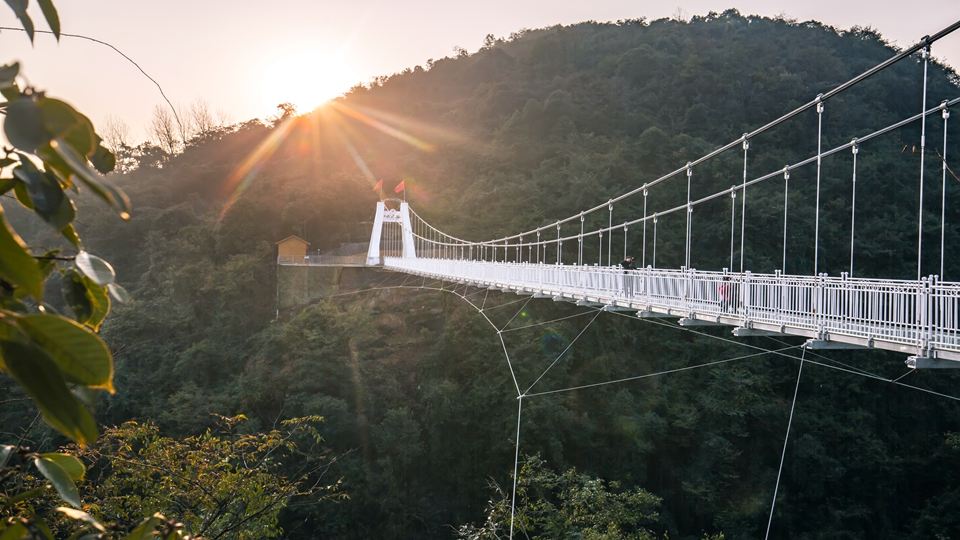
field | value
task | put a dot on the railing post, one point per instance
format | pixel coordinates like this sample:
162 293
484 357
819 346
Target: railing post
845 300
540 273
819 305
778 278
686 257
923 318
725 290
538 246
643 249
686 287
580 241
646 287
936 310
559 243
691 289
745 295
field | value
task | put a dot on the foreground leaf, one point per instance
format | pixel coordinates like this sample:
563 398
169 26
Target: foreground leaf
19 8
23 196
95 268
6 184
50 14
90 302
103 159
42 380
99 185
8 74
24 124
6 450
52 471
69 463
17 266
46 194
80 515
70 233
14 532
66 124
81 355
75 294
119 293
146 528
101 303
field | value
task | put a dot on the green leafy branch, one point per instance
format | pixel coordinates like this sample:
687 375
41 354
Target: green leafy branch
55 151
54 357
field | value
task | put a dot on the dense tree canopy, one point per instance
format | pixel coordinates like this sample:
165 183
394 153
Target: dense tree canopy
413 385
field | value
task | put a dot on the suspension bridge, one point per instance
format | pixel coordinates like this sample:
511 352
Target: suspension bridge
577 258
919 317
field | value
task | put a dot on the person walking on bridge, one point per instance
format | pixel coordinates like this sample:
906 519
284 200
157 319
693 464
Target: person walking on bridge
628 263
725 292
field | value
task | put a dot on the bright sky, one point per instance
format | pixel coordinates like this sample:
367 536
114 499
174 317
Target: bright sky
244 57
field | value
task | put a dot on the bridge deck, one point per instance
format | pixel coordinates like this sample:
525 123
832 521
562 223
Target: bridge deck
915 317
357 261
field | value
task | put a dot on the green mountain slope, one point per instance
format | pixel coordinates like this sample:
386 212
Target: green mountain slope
528 129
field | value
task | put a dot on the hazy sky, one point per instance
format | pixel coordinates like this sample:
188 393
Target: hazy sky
244 57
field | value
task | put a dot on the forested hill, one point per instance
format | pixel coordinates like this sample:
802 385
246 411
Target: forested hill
413 386
571 115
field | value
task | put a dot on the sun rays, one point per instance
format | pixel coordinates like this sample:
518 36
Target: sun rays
382 126
241 177
338 128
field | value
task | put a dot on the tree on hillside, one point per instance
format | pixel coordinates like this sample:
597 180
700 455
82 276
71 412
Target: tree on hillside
163 131
219 484
569 505
201 119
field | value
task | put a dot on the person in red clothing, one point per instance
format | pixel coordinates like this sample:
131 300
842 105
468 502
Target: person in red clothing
725 293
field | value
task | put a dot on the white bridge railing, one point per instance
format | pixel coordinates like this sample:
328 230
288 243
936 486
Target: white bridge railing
922 317
323 260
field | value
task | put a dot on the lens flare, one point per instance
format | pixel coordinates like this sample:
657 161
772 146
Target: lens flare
337 127
246 172
409 124
383 127
357 158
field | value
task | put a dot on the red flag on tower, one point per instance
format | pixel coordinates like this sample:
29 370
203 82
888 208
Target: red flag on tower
402 186
378 186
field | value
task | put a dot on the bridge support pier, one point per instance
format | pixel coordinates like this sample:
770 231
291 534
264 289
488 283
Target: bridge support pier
827 345
743 331
690 321
647 314
924 362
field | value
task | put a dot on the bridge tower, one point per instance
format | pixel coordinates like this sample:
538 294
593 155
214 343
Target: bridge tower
392 228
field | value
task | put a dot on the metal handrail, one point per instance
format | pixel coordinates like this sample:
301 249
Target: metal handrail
923 314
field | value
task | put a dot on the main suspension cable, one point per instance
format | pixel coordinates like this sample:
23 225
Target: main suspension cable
815 103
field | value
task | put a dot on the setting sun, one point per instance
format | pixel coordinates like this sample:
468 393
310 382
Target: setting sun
500 270
307 79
